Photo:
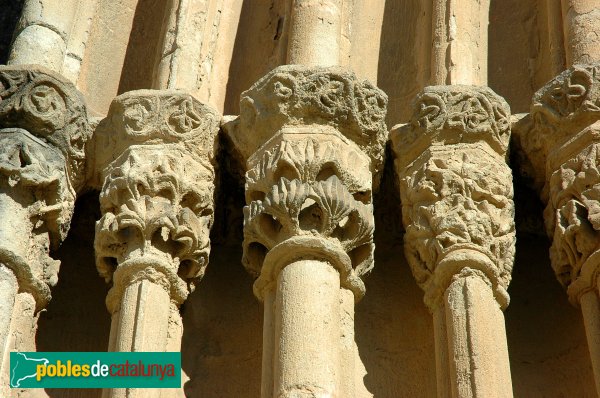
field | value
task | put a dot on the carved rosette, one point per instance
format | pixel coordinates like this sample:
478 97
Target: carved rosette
157 198
313 140
43 132
563 146
456 189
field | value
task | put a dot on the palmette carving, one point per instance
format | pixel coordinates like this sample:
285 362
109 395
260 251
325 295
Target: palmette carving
562 146
158 195
325 210
43 132
313 140
573 220
456 189
296 95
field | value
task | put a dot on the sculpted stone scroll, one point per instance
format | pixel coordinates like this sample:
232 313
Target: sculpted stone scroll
313 142
155 153
457 209
157 195
317 138
562 146
457 188
43 133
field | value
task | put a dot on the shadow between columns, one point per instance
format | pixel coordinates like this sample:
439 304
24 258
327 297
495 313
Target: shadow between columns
222 320
76 318
11 12
394 330
547 345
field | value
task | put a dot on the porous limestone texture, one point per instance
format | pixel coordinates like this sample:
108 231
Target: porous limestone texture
561 144
226 167
157 208
312 139
43 133
457 209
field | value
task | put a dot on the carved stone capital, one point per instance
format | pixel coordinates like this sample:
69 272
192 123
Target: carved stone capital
456 188
43 132
157 196
313 141
562 144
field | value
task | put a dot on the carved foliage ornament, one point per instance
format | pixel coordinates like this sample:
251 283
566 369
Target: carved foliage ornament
298 95
573 218
313 138
322 209
49 108
563 148
157 197
445 115
457 191
43 132
301 187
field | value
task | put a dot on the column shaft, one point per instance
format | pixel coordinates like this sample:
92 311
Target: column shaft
348 349
442 363
451 158
459 33
14 223
157 208
580 23
477 345
307 330
140 324
42 33
143 318
590 307
315 32
562 145
308 222
268 351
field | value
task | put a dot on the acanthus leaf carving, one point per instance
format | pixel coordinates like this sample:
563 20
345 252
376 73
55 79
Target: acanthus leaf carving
157 198
44 128
456 188
313 140
562 145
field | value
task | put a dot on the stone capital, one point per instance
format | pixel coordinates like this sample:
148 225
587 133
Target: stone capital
456 188
313 140
156 152
562 144
44 129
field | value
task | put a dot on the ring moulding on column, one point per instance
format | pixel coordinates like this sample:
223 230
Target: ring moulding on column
43 132
456 188
155 150
561 141
313 140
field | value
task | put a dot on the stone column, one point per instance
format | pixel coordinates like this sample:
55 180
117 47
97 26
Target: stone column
42 33
563 146
315 32
457 209
43 131
460 42
313 140
156 153
188 29
581 19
